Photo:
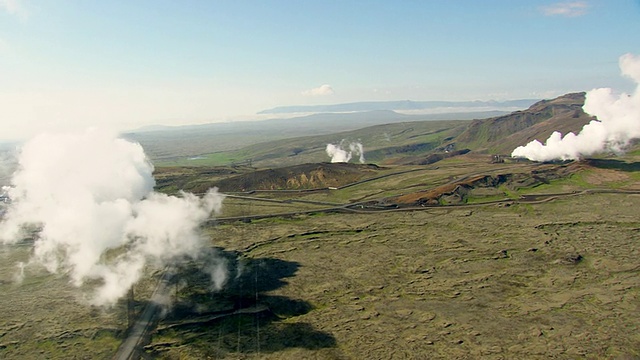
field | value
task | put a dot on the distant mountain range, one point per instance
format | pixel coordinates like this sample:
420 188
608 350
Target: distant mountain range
404 105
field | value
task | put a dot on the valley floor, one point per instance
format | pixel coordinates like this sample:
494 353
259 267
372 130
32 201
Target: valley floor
507 280
558 279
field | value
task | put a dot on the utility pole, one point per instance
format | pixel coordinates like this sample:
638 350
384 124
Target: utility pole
131 309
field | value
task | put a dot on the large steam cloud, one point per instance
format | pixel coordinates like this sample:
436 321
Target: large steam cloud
618 122
90 198
338 153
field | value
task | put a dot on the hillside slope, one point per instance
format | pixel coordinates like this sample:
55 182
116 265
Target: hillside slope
239 179
411 142
163 143
504 133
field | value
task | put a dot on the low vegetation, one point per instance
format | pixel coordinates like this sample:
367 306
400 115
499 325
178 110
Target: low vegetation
466 257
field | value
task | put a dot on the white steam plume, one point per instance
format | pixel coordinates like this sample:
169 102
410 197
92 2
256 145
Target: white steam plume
339 154
90 197
7 165
18 277
618 122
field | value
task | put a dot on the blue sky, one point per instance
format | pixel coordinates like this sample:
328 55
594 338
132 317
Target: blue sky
123 64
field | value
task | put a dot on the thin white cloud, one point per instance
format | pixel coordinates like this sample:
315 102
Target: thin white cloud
14 7
322 90
566 9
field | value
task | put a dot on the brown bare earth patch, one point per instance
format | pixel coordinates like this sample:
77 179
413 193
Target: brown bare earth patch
457 189
429 197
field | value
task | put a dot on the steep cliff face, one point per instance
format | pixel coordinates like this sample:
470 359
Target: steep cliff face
503 133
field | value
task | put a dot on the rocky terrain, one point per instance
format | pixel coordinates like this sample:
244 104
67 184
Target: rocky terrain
451 253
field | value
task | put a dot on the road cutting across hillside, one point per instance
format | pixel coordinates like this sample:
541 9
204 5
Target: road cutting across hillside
366 207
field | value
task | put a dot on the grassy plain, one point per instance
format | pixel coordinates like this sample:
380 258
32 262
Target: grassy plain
509 279
381 141
527 261
506 280
554 279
